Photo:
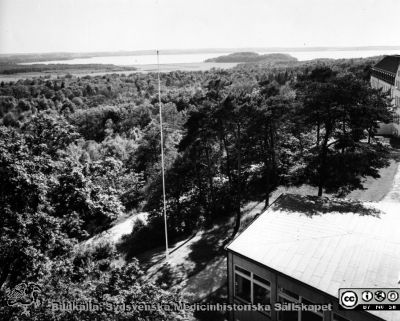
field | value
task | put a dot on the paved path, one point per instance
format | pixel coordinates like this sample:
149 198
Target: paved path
394 193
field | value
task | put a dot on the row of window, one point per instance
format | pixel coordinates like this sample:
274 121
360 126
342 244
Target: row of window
285 296
397 101
385 87
251 288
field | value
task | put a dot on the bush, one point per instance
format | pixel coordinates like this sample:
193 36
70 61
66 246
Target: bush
144 236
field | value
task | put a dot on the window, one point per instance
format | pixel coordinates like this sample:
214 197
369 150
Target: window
286 296
287 315
337 317
261 290
243 271
289 294
251 288
242 288
310 315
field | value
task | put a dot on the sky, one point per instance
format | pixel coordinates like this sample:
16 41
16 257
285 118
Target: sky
30 26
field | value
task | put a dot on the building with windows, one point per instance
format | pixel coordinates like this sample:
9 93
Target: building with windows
386 75
302 249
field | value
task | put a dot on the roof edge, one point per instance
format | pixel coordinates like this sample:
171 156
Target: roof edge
383 70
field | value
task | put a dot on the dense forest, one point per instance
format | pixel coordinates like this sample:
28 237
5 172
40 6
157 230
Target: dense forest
11 69
79 153
253 57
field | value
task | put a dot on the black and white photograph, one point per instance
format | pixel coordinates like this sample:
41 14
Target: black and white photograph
200 160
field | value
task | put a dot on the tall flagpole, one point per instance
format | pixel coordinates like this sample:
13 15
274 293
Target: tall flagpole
162 157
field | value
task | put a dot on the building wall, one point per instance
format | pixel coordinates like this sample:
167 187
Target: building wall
277 281
396 101
392 129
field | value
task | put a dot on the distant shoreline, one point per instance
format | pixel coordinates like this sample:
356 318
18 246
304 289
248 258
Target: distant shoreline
49 56
138 69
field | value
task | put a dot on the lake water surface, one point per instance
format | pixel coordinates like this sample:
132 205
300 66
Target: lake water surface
201 57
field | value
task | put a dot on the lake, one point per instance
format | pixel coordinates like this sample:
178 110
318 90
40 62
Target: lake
190 58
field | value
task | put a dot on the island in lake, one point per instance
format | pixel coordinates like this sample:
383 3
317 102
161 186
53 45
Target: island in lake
240 57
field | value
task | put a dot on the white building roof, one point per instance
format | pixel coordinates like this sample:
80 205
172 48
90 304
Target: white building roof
328 244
